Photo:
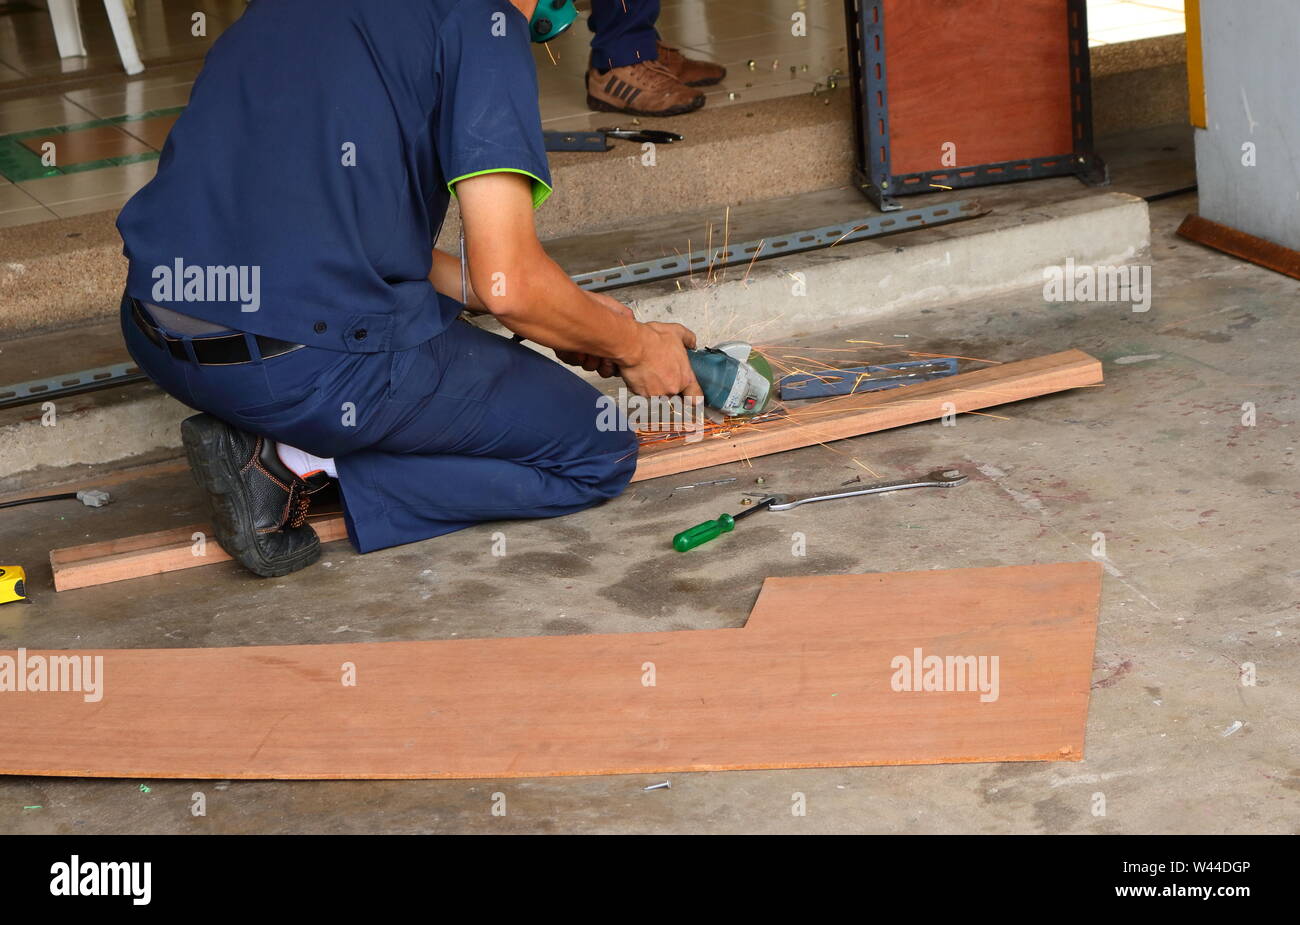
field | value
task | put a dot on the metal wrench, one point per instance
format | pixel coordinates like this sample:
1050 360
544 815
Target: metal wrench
940 478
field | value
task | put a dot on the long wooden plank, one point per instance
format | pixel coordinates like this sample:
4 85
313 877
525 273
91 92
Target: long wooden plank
810 683
154 553
866 413
850 416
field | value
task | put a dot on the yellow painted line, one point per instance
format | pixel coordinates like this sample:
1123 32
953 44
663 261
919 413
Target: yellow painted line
1195 66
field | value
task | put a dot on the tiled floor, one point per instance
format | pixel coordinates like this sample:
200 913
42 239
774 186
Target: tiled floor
1111 21
118 151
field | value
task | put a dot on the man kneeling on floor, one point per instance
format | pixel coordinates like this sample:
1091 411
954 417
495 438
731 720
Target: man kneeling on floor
281 281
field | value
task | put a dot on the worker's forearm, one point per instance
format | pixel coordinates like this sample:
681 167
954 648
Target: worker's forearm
445 277
538 300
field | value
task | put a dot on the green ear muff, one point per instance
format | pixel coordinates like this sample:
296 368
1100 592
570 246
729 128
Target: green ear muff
551 18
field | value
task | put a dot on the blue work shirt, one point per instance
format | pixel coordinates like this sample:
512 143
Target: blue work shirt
299 194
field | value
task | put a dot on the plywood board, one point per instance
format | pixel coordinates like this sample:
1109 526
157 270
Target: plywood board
154 553
810 682
990 77
849 416
854 415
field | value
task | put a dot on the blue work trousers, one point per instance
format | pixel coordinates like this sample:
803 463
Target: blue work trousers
465 428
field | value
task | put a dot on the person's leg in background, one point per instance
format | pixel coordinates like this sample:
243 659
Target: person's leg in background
632 71
623 32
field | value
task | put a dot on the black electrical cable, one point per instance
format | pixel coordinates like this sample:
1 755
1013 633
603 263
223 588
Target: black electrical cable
69 494
1170 194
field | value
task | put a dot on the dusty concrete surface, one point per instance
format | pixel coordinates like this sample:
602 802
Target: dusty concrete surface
1197 508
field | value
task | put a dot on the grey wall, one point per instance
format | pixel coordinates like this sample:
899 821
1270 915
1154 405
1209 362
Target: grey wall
1252 85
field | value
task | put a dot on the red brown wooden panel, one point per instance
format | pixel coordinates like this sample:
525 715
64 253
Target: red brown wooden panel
990 76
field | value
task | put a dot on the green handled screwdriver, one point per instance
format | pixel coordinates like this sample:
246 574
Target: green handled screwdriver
712 529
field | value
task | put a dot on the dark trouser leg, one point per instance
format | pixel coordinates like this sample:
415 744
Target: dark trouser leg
464 428
624 32
478 428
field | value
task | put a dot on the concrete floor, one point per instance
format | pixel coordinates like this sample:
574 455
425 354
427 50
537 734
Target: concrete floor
1198 513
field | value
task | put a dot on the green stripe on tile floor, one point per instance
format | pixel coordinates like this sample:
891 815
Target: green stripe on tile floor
85 145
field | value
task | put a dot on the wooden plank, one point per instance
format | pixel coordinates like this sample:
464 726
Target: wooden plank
849 416
991 77
808 684
1229 240
155 553
854 415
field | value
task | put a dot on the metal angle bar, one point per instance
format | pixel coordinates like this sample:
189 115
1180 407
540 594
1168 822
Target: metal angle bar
871 378
70 384
1090 168
868 70
1035 168
776 246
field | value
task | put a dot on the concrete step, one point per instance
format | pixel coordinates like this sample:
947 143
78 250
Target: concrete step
60 273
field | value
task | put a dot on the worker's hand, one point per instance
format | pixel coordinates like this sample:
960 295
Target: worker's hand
662 368
603 366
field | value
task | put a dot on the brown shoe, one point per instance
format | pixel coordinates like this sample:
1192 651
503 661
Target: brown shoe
646 88
690 71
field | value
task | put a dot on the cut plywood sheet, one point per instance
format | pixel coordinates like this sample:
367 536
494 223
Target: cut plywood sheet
809 682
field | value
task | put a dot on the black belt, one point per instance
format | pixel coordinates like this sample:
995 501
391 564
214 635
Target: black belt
218 350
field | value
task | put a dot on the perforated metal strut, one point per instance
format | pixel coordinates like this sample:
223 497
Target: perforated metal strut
795 242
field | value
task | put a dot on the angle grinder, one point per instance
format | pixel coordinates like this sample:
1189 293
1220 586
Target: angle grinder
736 379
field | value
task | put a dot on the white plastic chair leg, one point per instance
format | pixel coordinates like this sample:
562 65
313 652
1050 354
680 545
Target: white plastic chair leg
67 28
123 35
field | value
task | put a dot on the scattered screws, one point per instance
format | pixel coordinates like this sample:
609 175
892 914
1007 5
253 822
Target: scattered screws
666 785
1233 728
750 64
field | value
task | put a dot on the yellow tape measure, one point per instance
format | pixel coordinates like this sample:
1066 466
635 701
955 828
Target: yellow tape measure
13 582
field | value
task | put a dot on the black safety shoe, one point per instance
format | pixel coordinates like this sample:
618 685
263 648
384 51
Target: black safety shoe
259 507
